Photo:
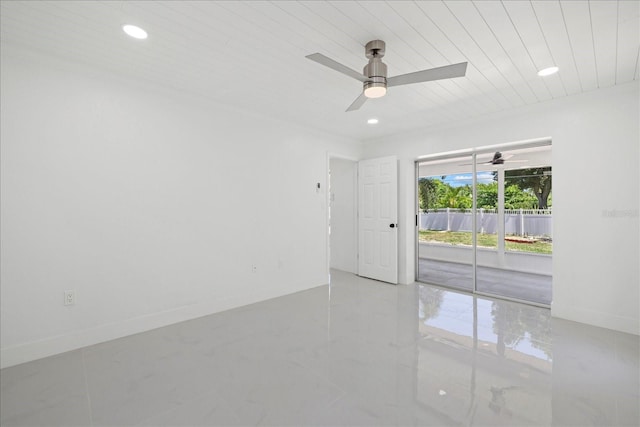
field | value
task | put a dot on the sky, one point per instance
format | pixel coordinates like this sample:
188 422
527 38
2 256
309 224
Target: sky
462 179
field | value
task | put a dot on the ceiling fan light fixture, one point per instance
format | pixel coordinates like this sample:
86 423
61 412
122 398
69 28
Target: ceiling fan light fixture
548 71
375 90
376 87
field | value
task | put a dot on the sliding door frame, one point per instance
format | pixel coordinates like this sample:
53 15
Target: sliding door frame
472 152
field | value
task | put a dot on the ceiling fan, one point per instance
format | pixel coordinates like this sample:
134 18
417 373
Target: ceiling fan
374 76
498 159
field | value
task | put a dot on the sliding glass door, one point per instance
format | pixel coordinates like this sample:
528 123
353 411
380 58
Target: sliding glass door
445 220
485 222
514 211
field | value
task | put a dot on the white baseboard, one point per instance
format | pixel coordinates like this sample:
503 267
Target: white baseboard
34 350
597 318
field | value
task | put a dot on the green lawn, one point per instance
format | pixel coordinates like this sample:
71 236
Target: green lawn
484 240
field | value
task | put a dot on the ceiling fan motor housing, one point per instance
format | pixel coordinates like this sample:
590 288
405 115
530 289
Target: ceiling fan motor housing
375 70
497 159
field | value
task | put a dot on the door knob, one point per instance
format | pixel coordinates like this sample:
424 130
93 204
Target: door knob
393 225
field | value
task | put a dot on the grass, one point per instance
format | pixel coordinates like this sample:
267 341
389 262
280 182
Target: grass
484 240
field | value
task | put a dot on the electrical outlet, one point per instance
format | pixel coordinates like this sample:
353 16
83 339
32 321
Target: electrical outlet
69 297
254 268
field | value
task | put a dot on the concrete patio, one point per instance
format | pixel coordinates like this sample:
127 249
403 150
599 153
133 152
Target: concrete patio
509 283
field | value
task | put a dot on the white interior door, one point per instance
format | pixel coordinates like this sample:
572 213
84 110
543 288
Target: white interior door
378 219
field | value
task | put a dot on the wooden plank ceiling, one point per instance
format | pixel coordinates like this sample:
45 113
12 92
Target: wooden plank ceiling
251 54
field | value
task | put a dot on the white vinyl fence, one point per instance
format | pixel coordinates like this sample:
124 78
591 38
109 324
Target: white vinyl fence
519 222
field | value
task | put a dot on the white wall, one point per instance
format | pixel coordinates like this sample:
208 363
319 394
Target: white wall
152 206
343 248
596 161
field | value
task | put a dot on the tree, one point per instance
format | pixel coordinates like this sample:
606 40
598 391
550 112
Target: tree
428 193
516 198
435 194
538 180
457 197
487 195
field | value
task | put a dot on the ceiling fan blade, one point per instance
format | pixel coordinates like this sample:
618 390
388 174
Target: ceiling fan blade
357 103
446 72
493 162
328 62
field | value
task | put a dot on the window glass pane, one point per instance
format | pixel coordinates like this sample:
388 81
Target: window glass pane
445 223
514 211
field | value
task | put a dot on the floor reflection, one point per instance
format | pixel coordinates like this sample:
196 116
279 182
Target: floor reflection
464 359
492 359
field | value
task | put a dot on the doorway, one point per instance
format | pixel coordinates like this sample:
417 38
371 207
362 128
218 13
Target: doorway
343 176
484 221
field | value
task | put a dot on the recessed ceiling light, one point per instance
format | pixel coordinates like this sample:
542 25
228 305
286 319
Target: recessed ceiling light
548 71
372 121
135 32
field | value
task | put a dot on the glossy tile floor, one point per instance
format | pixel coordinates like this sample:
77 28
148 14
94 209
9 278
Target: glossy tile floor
357 352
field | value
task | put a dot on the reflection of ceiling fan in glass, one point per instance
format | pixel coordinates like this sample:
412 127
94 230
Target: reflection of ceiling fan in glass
498 159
